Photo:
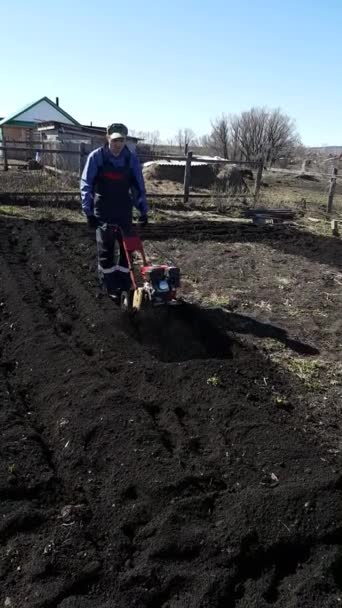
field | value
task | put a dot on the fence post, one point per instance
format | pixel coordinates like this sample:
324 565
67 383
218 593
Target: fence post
334 228
332 188
304 166
186 149
187 176
42 158
82 158
259 177
4 152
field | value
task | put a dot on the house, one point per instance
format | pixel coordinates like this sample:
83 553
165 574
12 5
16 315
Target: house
45 124
68 134
21 125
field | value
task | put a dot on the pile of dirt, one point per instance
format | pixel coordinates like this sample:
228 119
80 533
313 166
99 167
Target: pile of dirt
159 465
202 175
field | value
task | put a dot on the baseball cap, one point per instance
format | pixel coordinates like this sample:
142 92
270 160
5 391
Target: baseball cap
117 131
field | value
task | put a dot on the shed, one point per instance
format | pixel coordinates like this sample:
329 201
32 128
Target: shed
65 133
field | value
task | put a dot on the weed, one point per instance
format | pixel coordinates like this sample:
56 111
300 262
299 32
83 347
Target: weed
307 370
214 380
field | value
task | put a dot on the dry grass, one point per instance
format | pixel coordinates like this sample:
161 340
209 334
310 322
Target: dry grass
288 191
45 213
36 181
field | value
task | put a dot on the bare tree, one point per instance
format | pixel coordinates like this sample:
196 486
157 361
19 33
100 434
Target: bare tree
267 133
219 139
153 138
204 142
189 137
249 131
179 138
149 137
185 137
282 138
249 135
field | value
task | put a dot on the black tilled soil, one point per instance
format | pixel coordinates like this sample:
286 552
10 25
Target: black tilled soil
140 465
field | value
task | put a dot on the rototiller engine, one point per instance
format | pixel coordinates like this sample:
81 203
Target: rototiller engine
151 285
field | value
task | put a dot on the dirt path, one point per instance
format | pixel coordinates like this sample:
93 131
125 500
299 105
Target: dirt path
162 465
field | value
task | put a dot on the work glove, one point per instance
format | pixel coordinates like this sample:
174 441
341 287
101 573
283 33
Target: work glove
92 221
143 220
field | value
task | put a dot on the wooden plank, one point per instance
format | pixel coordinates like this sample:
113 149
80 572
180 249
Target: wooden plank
178 195
258 176
39 194
4 149
187 177
82 159
150 195
332 189
297 173
277 211
47 150
212 161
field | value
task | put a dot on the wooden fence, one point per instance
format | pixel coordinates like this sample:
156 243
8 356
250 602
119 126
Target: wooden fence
72 159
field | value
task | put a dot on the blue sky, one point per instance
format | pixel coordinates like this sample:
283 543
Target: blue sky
167 64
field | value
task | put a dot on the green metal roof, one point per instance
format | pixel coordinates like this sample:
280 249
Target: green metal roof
11 119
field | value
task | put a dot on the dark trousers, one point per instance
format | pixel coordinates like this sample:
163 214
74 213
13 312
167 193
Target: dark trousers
112 263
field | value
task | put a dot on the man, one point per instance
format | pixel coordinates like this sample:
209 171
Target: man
111 184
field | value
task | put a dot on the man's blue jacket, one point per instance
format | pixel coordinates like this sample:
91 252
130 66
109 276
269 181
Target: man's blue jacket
93 165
